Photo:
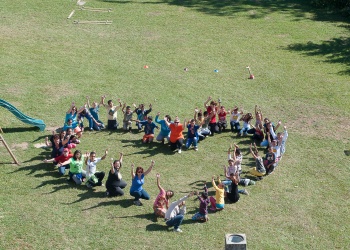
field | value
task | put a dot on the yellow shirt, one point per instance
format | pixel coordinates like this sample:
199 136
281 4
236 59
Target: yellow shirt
219 194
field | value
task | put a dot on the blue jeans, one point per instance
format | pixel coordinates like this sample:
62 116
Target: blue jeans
175 221
244 131
235 126
140 195
62 170
227 184
190 141
264 143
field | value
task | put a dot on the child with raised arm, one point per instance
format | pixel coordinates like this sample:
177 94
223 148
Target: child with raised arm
259 169
222 123
115 184
111 113
212 110
142 114
161 204
92 175
202 120
235 116
217 203
202 215
175 213
192 135
233 195
94 111
127 120
164 129
246 124
149 129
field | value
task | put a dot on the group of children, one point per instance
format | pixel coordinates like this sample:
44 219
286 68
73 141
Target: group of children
212 120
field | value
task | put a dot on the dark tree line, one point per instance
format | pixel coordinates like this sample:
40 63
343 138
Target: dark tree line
342 5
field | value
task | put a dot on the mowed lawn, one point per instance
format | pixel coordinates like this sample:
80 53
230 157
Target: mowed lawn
300 59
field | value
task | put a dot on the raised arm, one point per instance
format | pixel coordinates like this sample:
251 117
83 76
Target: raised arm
102 102
278 125
206 102
157 118
88 101
71 108
112 167
158 181
132 171
121 158
195 114
166 121
105 155
149 169
225 172
252 152
47 142
120 104
123 108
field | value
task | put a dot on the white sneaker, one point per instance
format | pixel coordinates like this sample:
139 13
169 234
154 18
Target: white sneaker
177 230
195 149
179 151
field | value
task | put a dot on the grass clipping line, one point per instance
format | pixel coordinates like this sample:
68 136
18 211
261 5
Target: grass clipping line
92 22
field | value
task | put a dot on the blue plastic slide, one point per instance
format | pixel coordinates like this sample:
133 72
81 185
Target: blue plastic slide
24 118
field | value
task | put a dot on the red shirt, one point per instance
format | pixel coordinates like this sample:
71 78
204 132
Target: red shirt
63 158
176 132
222 116
209 110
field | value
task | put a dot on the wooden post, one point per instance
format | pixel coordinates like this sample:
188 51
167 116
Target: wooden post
8 149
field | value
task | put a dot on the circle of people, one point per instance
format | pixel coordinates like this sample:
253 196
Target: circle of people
212 120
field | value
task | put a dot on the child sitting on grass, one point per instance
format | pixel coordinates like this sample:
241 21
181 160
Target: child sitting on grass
202 215
217 203
127 120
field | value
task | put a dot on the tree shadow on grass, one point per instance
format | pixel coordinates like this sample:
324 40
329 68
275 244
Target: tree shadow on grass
335 50
19 129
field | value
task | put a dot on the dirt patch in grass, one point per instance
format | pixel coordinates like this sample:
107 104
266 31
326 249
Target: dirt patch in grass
40 145
320 122
21 146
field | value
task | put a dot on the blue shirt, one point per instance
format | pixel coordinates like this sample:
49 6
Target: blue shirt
164 129
149 127
94 112
137 183
192 131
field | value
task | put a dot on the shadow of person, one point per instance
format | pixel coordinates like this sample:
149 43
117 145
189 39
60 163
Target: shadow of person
157 227
125 203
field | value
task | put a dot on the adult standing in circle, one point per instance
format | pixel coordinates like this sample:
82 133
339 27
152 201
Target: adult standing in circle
138 179
161 204
176 136
115 184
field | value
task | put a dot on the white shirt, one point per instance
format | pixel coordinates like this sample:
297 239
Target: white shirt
174 209
91 167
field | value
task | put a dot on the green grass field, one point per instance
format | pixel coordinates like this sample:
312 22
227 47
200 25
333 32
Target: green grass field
300 59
